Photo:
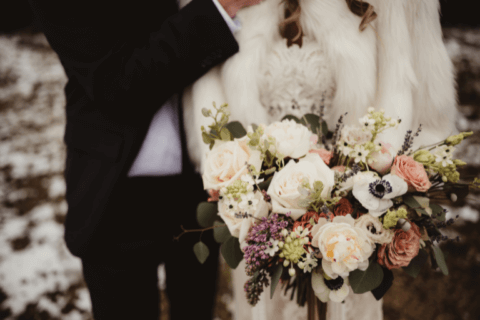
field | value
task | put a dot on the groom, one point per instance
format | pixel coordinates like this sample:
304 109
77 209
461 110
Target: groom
130 184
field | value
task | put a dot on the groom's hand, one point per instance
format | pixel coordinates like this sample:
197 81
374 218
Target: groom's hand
232 6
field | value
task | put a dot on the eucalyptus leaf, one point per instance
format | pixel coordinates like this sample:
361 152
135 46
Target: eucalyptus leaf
271 170
324 128
201 251
236 129
221 232
225 134
438 211
290 117
231 252
440 260
312 121
206 138
265 184
386 284
254 126
277 273
417 263
364 281
207 213
412 203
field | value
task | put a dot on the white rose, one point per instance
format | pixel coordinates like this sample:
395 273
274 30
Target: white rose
284 186
292 139
239 225
343 246
225 163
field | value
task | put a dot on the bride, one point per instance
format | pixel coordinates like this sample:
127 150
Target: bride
345 55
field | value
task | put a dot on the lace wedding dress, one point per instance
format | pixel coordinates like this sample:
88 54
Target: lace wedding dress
297 81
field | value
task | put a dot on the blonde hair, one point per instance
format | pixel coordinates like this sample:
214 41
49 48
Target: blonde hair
291 29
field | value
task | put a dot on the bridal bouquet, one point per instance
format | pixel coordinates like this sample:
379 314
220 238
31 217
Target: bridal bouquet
325 211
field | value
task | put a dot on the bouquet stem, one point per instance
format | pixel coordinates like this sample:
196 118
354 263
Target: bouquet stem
317 310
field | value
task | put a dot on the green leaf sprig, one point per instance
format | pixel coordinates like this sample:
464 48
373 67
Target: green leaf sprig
218 130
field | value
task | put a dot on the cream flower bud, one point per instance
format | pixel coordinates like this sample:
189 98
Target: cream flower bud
291 272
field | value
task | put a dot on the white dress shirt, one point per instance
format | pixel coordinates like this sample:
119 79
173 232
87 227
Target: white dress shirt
161 151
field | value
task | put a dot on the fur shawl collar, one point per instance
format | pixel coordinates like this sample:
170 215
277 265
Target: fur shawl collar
399 63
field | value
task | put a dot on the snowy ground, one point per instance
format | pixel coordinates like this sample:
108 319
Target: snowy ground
39 279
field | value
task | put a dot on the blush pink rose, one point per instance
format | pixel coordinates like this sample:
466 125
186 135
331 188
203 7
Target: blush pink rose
324 154
403 248
412 172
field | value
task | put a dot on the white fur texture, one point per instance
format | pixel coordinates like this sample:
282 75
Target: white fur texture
399 63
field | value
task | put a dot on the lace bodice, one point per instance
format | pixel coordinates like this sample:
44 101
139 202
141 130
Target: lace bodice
296 80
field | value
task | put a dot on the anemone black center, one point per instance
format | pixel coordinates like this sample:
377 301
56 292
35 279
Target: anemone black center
334 284
380 188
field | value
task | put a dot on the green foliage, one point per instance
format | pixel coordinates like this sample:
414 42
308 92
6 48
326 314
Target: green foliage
277 273
221 232
290 117
416 264
201 251
311 121
236 129
231 252
218 130
364 281
207 213
265 184
412 203
437 211
440 259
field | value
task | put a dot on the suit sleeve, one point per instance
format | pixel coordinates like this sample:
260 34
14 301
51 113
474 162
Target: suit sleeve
132 66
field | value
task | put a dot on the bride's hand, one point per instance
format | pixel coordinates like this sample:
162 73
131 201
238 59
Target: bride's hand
232 6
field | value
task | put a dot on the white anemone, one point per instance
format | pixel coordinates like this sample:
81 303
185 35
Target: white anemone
325 290
375 194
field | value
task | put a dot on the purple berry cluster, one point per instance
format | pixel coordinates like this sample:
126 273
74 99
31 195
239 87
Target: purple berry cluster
258 240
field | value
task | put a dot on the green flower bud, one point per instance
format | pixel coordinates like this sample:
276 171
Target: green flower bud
459 162
424 157
456 139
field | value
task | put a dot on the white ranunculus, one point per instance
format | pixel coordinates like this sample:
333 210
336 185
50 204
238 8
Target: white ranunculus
354 135
325 290
375 193
234 216
382 160
343 246
225 163
284 186
292 139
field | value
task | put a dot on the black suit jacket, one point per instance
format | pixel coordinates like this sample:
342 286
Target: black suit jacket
122 62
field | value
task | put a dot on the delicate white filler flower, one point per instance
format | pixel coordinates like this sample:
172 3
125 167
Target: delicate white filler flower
325 290
375 193
271 250
444 155
367 123
360 154
248 203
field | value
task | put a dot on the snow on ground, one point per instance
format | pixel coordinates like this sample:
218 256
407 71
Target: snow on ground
37 273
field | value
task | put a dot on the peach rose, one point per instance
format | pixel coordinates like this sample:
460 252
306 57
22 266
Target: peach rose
324 154
403 248
412 172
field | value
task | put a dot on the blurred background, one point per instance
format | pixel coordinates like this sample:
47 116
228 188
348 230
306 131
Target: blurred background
39 279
